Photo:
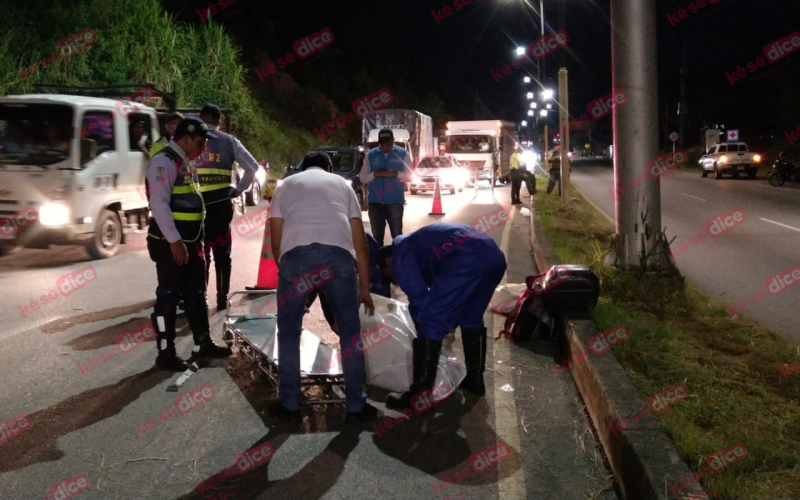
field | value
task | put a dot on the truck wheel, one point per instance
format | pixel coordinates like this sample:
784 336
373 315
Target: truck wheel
239 205
453 191
107 236
703 172
461 189
717 173
413 191
253 197
736 174
751 174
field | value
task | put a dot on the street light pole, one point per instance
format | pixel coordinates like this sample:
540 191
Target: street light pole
638 241
563 105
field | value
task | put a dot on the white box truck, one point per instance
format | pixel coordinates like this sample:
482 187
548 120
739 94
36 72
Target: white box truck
482 146
69 174
412 130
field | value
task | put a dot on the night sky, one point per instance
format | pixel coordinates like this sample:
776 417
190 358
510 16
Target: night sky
453 57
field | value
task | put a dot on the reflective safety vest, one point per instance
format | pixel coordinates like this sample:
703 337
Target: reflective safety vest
514 161
215 169
186 202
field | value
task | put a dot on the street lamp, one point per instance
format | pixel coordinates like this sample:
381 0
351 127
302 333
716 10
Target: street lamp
524 123
527 79
521 51
549 106
530 95
530 113
534 105
547 94
541 113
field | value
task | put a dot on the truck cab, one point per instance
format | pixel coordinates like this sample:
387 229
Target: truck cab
730 158
483 147
72 171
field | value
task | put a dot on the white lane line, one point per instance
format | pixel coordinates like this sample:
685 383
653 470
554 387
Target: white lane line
512 485
695 197
782 225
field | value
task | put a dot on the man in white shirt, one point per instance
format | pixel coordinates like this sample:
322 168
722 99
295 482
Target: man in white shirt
317 234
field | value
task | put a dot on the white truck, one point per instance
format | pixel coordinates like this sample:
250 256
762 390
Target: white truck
413 131
69 174
482 146
730 158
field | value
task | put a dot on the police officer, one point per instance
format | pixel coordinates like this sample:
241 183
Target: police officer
175 244
170 124
216 183
516 175
444 290
555 169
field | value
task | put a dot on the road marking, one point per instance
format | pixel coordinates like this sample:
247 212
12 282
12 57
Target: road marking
505 409
695 197
782 225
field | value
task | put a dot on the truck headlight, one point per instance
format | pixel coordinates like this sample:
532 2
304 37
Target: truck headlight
54 214
757 158
724 159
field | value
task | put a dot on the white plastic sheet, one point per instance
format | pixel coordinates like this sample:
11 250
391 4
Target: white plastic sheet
505 297
388 355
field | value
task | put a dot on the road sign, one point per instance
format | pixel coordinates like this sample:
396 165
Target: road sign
733 135
674 137
587 146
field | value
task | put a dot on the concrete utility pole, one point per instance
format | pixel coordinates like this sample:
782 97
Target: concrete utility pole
563 118
638 241
546 153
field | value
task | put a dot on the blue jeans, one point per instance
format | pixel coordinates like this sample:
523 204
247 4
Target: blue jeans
341 292
380 214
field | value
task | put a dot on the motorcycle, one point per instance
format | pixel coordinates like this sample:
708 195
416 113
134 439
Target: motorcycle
783 171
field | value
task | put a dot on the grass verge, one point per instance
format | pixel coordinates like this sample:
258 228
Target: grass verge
731 366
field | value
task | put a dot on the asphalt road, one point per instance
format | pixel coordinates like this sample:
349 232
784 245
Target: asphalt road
736 264
90 419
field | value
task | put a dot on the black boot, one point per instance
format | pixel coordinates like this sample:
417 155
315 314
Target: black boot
210 349
426 363
223 287
170 361
164 324
474 340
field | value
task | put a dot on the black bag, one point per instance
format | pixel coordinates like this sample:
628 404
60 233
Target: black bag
568 288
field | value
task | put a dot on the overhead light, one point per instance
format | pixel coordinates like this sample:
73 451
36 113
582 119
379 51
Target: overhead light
527 79
530 94
520 51
542 113
524 123
549 106
547 94
533 105
530 113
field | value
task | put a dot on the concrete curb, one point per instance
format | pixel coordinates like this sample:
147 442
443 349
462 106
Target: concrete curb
642 458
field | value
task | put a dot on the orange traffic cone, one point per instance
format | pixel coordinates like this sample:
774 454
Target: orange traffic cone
437 200
267 268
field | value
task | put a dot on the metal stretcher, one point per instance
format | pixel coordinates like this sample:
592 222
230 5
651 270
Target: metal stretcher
255 333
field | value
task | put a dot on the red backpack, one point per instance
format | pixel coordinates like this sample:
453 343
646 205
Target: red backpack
529 318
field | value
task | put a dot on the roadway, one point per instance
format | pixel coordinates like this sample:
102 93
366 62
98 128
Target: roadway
735 264
91 420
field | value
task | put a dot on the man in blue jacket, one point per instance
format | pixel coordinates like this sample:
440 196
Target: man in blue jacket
449 273
381 169
377 285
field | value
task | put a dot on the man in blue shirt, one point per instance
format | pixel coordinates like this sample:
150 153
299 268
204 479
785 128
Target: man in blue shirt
382 166
449 273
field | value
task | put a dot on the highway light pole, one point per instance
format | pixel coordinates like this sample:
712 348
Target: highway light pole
638 242
563 115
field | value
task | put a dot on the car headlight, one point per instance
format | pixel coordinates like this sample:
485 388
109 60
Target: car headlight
54 214
280 181
757 158
724 159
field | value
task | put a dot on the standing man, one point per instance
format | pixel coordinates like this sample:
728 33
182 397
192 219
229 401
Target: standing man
317 235
445 290
387 196
219 191
555 169
170 124
175 240
516 175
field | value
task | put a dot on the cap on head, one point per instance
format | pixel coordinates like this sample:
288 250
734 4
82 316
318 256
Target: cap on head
385 135
212 111
193 127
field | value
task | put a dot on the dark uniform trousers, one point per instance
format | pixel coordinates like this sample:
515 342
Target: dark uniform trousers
176 282
555 177
219 243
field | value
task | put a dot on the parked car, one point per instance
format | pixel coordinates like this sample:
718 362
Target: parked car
252 195
347 162
451 174
731 158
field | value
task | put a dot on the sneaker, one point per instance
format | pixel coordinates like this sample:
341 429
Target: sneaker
171 362
277 409
367 414
212 350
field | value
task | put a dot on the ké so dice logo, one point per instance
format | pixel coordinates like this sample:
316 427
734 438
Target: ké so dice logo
553 277
145 97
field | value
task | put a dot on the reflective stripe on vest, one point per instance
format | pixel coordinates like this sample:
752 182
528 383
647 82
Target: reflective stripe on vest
186 202
216 172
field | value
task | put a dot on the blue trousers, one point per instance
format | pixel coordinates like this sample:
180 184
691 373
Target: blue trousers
342 294
461 293
380 214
